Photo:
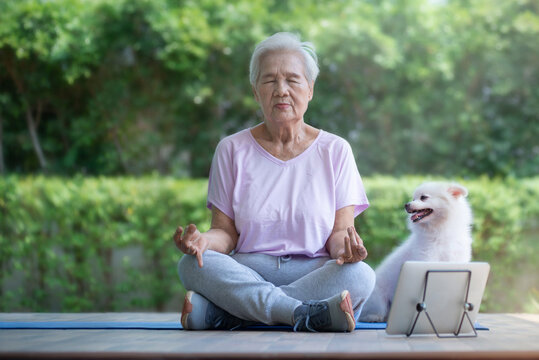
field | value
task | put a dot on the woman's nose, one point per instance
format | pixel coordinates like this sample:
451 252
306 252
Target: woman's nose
281 89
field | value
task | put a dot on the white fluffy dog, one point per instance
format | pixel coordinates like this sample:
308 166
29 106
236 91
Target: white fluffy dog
440 225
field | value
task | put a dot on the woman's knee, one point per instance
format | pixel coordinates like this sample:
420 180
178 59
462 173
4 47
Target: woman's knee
192 276
186 266
362 281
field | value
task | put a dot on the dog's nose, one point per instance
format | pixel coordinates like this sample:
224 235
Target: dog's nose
407 207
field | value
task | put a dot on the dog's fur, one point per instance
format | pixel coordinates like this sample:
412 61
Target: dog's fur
440 225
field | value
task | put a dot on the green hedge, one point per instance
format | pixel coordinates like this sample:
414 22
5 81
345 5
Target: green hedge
104 244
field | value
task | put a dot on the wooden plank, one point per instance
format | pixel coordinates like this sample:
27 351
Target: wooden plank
510 336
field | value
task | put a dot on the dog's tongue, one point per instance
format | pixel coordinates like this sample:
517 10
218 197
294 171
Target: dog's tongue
418 214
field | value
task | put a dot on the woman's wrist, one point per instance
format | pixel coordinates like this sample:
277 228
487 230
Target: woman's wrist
335 244
219 240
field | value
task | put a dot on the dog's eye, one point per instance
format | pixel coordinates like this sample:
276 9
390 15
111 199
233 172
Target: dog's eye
424 198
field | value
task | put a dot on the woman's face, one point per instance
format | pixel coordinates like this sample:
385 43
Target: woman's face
282 90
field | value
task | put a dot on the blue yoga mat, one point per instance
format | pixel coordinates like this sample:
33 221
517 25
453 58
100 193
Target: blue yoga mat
152 325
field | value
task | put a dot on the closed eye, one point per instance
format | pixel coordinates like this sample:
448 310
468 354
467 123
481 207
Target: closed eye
424 198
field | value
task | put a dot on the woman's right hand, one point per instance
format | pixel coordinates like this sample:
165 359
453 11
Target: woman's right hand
192 242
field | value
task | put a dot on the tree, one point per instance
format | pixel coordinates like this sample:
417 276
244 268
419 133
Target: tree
131 87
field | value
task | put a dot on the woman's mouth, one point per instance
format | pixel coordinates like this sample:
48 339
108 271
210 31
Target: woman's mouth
282 106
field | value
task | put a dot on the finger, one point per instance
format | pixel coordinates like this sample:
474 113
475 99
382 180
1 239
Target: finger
187 239
362 246
199 259
346 254
191 229
357 243
191 249
364 250
178 234
360 253
177 237
347 248
358 238
352 234
187 246
359 248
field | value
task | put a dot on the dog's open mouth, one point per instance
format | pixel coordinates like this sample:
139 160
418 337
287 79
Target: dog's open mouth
420 214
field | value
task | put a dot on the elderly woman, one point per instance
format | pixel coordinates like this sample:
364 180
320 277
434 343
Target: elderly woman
282 247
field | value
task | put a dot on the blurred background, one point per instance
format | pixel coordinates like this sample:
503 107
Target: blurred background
110 111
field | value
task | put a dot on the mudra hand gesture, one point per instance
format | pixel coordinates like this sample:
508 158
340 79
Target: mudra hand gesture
353 250
192 242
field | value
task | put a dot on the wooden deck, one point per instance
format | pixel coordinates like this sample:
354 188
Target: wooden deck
511 336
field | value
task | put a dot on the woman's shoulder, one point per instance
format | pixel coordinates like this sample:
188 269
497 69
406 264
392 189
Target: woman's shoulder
332 141
233 141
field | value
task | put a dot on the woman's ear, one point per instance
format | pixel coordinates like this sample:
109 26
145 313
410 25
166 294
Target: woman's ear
311 90
255 94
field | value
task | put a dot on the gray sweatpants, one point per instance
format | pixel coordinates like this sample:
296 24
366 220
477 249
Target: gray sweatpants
267 288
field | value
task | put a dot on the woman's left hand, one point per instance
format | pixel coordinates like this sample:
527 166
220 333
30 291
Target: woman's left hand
353 251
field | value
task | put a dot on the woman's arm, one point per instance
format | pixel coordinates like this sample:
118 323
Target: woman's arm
344 243
221 237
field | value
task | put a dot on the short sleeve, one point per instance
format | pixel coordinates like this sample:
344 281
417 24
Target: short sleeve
222 180
349 189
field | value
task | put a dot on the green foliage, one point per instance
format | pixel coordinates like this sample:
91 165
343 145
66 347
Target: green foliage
104 244
61 235
138 86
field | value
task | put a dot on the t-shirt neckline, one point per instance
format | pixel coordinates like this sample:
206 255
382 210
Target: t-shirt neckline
270 157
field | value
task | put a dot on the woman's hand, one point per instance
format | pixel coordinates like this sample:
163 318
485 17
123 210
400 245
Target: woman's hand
353 250
192 242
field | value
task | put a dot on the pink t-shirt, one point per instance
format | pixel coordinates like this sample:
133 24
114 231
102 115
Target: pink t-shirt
284 207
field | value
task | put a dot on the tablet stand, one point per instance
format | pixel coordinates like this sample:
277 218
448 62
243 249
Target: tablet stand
422 307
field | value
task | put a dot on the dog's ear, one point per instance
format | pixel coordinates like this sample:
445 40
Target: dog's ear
457 190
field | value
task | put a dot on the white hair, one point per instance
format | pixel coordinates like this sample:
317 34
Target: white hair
284 41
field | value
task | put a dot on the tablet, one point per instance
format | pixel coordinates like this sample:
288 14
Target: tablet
431 298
